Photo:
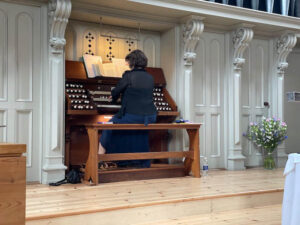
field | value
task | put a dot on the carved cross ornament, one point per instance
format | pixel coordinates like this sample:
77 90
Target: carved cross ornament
241 39
192 29
59 12
284 46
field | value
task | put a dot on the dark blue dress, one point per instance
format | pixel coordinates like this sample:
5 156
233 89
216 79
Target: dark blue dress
136 87
128 141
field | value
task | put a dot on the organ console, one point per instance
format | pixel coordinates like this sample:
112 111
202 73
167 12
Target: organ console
87 101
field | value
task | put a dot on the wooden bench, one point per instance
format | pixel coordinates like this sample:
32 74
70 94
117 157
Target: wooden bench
192 157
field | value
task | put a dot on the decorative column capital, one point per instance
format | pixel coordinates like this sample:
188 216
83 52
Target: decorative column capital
192 29
59 12
242 36
284 46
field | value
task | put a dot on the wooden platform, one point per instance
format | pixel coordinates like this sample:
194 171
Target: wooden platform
147 201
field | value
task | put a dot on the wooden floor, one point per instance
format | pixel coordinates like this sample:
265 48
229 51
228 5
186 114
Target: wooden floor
267 215
44 202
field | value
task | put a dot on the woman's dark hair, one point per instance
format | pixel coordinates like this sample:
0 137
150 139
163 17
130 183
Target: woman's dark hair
136 59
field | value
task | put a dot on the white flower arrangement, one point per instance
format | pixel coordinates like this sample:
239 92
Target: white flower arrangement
268 134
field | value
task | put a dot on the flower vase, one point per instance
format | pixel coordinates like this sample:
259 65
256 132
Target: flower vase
270 158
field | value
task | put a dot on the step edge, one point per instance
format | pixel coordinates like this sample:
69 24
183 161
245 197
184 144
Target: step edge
31 218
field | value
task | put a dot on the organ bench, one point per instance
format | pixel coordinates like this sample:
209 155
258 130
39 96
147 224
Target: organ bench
191 157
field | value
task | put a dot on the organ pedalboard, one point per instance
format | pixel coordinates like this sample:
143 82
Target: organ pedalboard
87 101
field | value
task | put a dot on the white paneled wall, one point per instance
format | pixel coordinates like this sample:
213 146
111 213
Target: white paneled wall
109 41
3 121
255 91
208 102
3 56
24 56
20 80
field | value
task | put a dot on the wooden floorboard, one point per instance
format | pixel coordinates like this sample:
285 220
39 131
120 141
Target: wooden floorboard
45 202
267 215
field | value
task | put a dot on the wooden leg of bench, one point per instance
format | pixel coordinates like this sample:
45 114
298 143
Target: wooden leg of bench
194 146
91 168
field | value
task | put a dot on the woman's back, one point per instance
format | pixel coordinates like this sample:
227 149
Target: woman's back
136 87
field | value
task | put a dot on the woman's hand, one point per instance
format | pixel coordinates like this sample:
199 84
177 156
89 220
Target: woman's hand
110 98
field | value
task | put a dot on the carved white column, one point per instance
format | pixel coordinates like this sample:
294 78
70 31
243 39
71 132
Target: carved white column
284 46
53 90
241 38
192 30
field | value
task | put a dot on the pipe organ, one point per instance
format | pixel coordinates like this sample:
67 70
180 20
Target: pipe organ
87 101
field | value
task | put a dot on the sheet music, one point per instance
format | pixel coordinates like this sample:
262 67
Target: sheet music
93 65
109 70
121 66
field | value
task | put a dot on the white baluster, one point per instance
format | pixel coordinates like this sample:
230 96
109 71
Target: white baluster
285 7
240 3
212 0
225 1
254 4
270 5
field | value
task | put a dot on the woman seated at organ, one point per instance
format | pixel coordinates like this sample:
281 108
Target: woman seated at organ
136 91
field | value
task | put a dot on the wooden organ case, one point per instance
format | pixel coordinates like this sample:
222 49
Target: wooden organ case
87 102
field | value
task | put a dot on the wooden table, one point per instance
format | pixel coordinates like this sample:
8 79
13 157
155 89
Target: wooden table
12 184
192 157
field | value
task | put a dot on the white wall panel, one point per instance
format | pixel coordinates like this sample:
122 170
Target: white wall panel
168 60
199 75
215 135
149 50
215 60
254 92
69 50
3 56
208 75
24 54
3 121
245 79
245 142
22 68
24 132
259 74
200 118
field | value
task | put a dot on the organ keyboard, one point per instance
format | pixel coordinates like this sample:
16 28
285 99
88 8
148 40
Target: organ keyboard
87 101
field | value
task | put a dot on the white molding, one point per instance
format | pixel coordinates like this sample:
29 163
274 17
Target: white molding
59 12
284 46
241 39
53 165
192 30
205 8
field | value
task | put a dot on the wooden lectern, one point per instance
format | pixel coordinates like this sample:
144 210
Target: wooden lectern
12 184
